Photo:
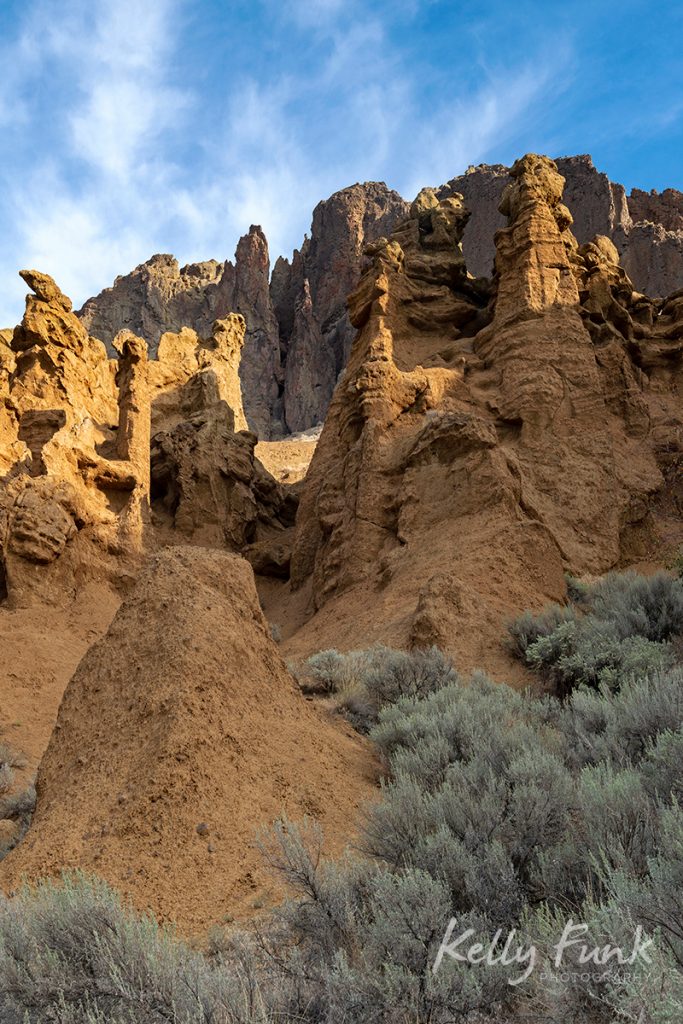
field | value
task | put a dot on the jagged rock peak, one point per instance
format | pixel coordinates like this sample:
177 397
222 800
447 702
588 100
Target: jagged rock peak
45 288
448 488
159 297
644 227
88 445
665 208
328 266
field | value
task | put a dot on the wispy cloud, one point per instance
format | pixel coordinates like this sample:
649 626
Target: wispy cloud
468 129
119 153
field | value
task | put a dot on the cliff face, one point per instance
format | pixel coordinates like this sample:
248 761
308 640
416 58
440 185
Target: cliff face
104 459
299 336
486 437
159 296
665 208
310 294
298 332
647 228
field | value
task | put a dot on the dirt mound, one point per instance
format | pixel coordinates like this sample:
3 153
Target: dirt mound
41 648
180 734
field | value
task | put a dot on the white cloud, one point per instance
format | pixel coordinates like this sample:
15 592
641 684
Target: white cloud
466 130
127 104
110 189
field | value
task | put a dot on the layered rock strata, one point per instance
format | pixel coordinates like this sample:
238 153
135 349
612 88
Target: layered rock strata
100 458
485 439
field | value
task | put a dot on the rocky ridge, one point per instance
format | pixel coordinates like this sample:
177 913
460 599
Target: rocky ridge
298 332
160 297
525 422
101 455
646 228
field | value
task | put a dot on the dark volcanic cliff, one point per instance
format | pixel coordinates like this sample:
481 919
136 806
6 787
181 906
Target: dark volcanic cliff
159 296
310 294
646 228
298 331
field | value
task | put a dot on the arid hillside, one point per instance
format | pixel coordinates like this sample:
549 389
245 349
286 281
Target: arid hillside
486 438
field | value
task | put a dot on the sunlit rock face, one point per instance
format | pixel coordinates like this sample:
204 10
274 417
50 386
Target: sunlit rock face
487 436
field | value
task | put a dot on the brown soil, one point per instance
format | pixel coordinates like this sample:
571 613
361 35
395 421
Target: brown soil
287 461
41 647
180 735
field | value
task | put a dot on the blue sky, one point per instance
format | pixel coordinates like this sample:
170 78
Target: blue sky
131 127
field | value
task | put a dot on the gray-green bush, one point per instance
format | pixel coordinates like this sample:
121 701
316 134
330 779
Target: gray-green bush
365 681
73 954
619 628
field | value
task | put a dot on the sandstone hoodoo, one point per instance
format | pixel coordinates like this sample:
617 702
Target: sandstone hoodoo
486 438
62 410
180 735
159 297
309 295
103 455
645 227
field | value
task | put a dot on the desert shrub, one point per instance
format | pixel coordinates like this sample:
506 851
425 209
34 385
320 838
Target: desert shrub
661 767
623 632
499 809
580 993
478 790
528 628
365 681
72 953
619 821
392 981
590 653
577 590
646 606
655 897
325 672
359 941
620 727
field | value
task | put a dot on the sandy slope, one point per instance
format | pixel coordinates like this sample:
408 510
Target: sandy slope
180 735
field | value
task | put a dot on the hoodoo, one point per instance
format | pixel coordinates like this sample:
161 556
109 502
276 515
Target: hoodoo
513 421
